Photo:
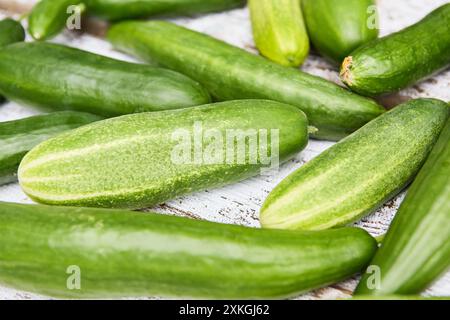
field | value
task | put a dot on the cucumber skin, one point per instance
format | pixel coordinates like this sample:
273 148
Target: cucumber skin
59 77
337 27
127 162
232 73
125 253
48 18
11 31
279 31
17 137
358 174
401 59
129 9
416 249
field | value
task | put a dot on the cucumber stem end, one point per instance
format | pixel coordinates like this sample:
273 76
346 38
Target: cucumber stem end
345 74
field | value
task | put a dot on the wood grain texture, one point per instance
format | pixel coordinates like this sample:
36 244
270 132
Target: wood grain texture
240 203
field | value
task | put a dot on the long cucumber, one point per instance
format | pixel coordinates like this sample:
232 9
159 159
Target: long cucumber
17 137
357 175
59 77
129 9
279 31
98 253
232 73
337 27
400 59
141 160
416 249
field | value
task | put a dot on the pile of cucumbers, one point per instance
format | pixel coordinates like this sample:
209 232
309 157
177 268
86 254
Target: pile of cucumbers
105 146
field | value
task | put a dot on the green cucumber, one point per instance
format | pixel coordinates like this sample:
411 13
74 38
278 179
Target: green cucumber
49 17
279 31
400 59
60 77
337 27
416 249
357 175
115 253
129 9
232 73
141 160
17 137
11 31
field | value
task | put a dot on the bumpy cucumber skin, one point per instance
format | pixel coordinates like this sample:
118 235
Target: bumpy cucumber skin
123 253
232 73
11 31
129 9
416 249
401 59
128 162
279 31
48 18
17 137
358 174
337 27
58 77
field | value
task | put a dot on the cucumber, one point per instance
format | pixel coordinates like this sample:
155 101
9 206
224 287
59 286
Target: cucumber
141 160
58 77
396 297
357 175
11 31
232 73
129 9
123 253
416 249
49 17
20 136
337 27
279 31
400 59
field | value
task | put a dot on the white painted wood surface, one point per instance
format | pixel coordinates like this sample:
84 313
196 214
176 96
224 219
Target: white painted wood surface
239 203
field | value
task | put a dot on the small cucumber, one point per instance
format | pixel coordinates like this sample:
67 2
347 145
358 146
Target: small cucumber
20 136
279 30
232 73
99 253
11 31
129 9
141 160
337 27
400 59
357 175
49 17
60 77
416 249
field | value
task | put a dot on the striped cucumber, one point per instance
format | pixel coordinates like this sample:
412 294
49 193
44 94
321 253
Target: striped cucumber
337 27
279 30
129 9
49 17
123 253
60 77
141 160
11 31
232 73
416 249
17 137
358 174
400 59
